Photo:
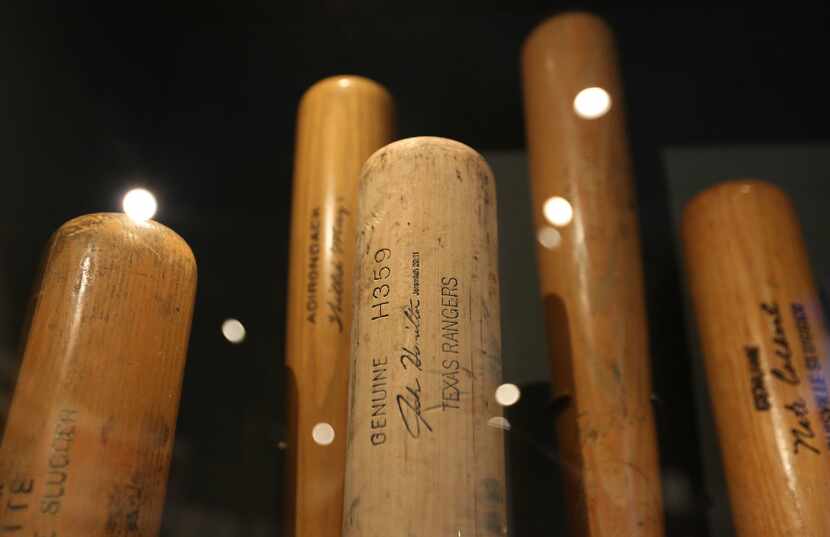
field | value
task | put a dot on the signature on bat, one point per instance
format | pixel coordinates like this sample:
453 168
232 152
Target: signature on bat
409 405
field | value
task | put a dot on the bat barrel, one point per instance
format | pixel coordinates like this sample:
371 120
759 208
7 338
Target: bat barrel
421 458
591 278
89 438
341 121
765 348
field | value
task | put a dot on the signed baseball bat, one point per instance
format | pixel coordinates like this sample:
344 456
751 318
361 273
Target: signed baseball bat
341 121
425 362
765 347
90 431
591 277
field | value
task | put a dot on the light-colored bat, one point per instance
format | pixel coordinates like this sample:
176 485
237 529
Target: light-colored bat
425 363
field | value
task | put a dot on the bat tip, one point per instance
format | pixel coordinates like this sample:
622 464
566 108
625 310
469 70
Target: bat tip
120 231
345 85
575 21
729 194
420 145
424 149
747 188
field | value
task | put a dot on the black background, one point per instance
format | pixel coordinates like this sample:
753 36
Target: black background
197 103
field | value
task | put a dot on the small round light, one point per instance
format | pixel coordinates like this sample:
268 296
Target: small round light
323 434
498 422
233 331
508 394
139 204
592 103
282 444
549 238
558 211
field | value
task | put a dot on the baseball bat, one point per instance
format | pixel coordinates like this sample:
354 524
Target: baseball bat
341 121
89 437
591 277
425 360
764 344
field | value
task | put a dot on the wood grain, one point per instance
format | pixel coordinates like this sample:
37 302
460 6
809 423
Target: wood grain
421 457
90 432
592 281
765 347
341 121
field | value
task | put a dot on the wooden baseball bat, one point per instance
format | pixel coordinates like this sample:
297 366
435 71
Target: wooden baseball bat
591 277
765 347
89 437
425 362
341 121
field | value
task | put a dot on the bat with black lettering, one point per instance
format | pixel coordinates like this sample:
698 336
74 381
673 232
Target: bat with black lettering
591 277
89 437
341 121
422 457
765 347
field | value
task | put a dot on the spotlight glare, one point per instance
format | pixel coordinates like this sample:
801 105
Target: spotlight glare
498 422
139 204
323 434
233 330
592 103
508 394
558 211
548 237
